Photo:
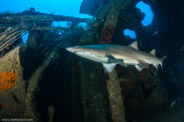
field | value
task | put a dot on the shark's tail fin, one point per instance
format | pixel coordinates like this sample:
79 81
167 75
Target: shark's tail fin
162 59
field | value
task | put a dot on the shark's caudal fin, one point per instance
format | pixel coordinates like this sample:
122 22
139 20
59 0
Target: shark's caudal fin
162 59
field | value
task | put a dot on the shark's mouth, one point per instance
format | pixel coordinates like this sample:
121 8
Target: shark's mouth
77 51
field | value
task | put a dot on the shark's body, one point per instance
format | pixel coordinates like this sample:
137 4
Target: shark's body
110 55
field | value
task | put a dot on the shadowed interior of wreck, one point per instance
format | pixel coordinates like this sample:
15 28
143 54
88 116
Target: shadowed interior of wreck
55 85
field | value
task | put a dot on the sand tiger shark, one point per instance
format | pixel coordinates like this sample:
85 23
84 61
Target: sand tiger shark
110 55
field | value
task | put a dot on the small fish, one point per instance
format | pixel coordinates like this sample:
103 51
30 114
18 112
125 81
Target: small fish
155 33
182 49
173 103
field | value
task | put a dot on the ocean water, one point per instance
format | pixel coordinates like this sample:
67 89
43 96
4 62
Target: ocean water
57 7
91 60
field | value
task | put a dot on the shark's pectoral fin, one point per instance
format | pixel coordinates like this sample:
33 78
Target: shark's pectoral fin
112 59
138 67
109 67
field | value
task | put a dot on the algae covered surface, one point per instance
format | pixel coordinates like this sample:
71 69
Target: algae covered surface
12 87
41 81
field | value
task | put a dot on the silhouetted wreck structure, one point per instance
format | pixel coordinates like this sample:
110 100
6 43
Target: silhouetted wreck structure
41 81
14 26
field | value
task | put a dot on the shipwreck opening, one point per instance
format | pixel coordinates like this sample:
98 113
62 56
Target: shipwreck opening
25 37
146 9
130 33
65 24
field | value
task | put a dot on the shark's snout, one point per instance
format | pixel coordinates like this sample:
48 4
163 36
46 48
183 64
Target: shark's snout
69 49
73 49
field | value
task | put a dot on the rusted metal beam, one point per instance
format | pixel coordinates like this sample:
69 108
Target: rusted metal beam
113 86
51 28
12 34
115 6
14 18
115 98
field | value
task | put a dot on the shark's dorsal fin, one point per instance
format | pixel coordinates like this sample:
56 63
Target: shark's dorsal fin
134 45
153 52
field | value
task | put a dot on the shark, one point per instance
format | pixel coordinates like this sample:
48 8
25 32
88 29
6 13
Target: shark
110 55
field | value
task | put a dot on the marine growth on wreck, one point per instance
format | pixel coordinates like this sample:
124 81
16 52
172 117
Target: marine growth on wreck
92 61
